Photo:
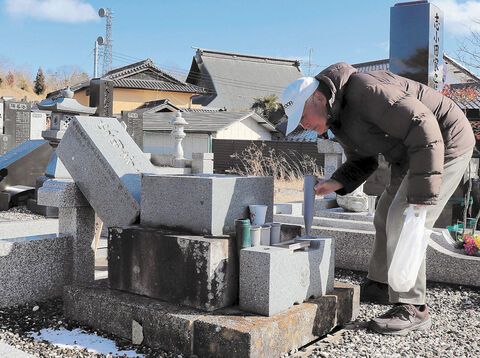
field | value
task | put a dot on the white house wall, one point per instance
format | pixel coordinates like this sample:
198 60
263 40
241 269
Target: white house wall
162 143
247 129
454 75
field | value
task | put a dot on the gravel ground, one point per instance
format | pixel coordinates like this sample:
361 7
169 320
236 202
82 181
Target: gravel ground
455 330
19 213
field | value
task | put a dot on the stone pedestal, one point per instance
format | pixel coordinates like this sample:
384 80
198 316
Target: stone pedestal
202 163
273 279
183 269
77 219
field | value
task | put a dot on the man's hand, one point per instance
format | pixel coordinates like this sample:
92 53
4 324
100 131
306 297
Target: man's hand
325 187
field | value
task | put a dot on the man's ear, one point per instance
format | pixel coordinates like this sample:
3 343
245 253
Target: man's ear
320 97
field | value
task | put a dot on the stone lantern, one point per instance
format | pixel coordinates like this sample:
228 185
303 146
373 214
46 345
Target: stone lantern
63 110
178 160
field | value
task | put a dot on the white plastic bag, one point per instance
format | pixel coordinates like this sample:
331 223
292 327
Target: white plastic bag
410 251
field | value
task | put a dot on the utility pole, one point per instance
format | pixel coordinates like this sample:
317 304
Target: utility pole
99 41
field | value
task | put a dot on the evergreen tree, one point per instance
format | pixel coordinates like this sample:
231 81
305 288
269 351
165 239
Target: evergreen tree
39 85
269 108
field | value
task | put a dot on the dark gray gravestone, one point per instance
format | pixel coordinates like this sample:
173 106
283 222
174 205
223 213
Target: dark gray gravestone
17 122
101 96
25 163
416 42
134 122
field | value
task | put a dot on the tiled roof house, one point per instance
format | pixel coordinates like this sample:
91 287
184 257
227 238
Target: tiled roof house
141 82
234 80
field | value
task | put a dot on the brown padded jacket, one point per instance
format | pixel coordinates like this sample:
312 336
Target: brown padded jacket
415 128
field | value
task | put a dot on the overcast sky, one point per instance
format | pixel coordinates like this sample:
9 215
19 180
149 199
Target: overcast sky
56 33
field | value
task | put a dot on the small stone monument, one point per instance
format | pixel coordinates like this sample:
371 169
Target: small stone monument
178 159
334 157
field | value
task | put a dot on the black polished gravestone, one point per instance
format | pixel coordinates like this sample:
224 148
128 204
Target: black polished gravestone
134 122
16 123
416 42
101 96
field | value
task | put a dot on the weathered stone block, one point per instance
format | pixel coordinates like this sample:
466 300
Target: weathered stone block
273 279
202 204
106 164
227 332
190 270
357 202
165 326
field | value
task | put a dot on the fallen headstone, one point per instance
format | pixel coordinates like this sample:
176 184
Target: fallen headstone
106 164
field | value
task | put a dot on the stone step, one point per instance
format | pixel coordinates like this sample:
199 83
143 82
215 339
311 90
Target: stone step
14 229
325 221
296 207
353 249
339 213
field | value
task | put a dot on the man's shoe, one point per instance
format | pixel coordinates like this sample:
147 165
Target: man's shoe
373 291
402 319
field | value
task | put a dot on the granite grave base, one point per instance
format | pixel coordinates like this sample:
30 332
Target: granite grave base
227 332
203 204
195 271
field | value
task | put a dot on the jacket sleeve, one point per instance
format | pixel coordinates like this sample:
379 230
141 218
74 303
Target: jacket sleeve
354 171
403 116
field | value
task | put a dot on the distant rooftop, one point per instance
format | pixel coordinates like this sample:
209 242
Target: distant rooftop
142 75
235 80
210 122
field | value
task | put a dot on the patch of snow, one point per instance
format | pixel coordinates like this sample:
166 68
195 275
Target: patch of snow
80 339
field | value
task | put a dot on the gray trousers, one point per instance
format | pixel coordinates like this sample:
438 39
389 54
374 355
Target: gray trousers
389 218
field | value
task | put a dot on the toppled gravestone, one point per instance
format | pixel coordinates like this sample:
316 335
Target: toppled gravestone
106 164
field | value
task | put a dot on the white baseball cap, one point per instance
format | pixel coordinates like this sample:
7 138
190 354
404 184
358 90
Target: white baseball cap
294 98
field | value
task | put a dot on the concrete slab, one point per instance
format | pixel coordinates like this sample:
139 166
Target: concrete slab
228 332
11 229
339 213
296 207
